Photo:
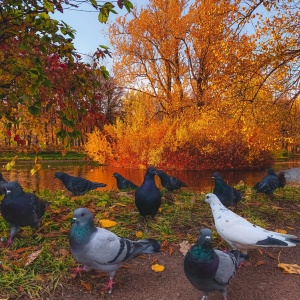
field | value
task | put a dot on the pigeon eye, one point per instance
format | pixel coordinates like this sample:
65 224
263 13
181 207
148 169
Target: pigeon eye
82 214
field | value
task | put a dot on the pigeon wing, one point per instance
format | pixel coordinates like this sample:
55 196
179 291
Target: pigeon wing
240 233
226 269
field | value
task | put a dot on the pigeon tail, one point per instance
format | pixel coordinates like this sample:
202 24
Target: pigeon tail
149 246
98 185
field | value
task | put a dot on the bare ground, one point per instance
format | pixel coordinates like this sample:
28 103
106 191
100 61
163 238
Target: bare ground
260 278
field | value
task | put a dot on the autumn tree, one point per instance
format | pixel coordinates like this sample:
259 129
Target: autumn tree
36 54
214 92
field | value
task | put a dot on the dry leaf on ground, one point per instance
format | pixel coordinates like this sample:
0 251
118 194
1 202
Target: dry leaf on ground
185 246
34 255
107 223
289 268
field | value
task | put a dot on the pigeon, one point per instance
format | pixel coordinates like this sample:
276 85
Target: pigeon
100 249
269 183
241 234
123 183
77 185
210 270
169 182
21 209
282 180
148 196
227 194
3 184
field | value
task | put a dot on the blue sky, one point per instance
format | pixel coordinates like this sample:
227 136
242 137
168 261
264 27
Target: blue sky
89 31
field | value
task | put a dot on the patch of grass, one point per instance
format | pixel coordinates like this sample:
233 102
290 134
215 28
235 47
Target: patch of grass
70 155
180 218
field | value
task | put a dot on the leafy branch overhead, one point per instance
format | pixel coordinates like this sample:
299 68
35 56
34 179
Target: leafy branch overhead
40 68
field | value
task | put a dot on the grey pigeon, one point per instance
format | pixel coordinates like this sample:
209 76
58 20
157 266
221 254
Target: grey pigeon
227 194
123 183
169 182
148 196
210 270
240 234
99 249
269 183
3 184
77 185
21 209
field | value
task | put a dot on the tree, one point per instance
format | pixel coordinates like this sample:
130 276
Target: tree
34 51
208 76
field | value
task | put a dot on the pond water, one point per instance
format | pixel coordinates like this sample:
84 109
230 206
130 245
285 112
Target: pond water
197 181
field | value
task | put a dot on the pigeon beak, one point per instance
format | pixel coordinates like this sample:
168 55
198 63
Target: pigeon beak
73 220
8 191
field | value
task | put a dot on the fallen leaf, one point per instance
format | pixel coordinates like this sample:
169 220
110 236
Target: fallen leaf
21 250
185 246
271 255
34 255
87 286
138 234
278 208
157 268
281 231
290 268
171 250
260 251
193 200
259 263
107 223
35 169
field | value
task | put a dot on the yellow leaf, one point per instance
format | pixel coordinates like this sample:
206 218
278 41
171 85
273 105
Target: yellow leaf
139 234
157 268
107 223
281 231
35 169
290 268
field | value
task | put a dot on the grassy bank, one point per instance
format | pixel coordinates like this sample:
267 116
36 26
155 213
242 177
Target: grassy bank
72 155
178 220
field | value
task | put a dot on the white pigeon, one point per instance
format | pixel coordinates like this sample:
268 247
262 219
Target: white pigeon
101 249
241 234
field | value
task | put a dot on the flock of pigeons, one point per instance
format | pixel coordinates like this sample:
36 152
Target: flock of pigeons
99 249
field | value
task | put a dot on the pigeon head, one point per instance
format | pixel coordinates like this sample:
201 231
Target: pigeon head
59 175
82 227
216 175
205 237
203 248
151 170
14 187
271 172
206 233
212 199
83 216
116 174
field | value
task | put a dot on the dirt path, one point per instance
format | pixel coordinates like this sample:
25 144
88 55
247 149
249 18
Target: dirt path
259 279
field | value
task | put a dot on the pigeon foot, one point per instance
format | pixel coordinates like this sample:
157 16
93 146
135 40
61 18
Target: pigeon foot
80 269
9 242
109 286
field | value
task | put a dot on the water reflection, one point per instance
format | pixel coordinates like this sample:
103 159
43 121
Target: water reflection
197 181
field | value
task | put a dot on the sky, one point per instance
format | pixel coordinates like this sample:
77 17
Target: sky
89 31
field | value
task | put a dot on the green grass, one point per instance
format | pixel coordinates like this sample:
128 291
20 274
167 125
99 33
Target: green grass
177 221
70 155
